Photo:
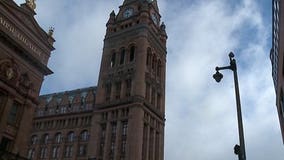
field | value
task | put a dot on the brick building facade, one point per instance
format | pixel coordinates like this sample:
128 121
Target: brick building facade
24 52
277 58
123 117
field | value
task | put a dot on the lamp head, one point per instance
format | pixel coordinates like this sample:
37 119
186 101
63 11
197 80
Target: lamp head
218 76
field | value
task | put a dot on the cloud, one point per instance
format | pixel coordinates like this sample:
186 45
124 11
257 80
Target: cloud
201 114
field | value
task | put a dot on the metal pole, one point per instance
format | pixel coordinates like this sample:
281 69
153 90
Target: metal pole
242 155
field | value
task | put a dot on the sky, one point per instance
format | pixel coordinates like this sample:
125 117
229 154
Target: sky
201 120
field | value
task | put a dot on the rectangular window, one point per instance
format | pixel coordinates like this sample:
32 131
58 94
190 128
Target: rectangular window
128 87
55 152
147 96
13 114
153 96
157 147
122 56
123 146
117 90
82 151
158 101
108 91
113 130
112 63
124 128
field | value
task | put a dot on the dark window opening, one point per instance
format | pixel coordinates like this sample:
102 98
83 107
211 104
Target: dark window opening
108 91
159 69
128 87
12 117
117 90
122 56
112 63
132 53
6 144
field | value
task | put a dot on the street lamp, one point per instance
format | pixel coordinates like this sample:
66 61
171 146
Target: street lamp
238 149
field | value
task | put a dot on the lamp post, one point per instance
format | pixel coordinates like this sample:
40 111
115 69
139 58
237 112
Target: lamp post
238 149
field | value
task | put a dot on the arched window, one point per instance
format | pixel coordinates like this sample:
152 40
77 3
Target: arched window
112 61
132 53
84 136
58 137
71 137
34 139
122 56
149 56
45 138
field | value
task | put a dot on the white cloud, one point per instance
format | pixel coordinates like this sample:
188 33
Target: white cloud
201 114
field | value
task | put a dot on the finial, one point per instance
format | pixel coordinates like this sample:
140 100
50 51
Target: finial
112 13
31 4
163 26
50 32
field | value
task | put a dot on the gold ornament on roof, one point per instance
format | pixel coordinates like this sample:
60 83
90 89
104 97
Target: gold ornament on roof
31 4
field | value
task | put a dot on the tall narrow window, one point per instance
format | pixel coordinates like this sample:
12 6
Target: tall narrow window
159 69
12 117
154 61
123 147
124 128
108 91
128 87
112 61
113 130
158 101
282 104
45 138
153 96
117 89
149 56
55 151
68 151
58 137
157 143
82 150
122 56
147 96
43 152
31 153
132 54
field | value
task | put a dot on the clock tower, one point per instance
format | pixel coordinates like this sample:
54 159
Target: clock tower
130 98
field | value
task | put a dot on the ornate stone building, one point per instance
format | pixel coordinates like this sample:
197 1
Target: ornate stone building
62 125
24 52
277 58
123 118
130 99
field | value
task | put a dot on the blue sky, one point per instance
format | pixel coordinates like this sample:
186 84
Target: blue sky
201 114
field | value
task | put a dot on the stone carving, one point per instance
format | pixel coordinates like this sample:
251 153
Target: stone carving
9 70
31 4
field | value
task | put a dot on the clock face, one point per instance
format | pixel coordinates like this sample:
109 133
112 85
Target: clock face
155 18
128 12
